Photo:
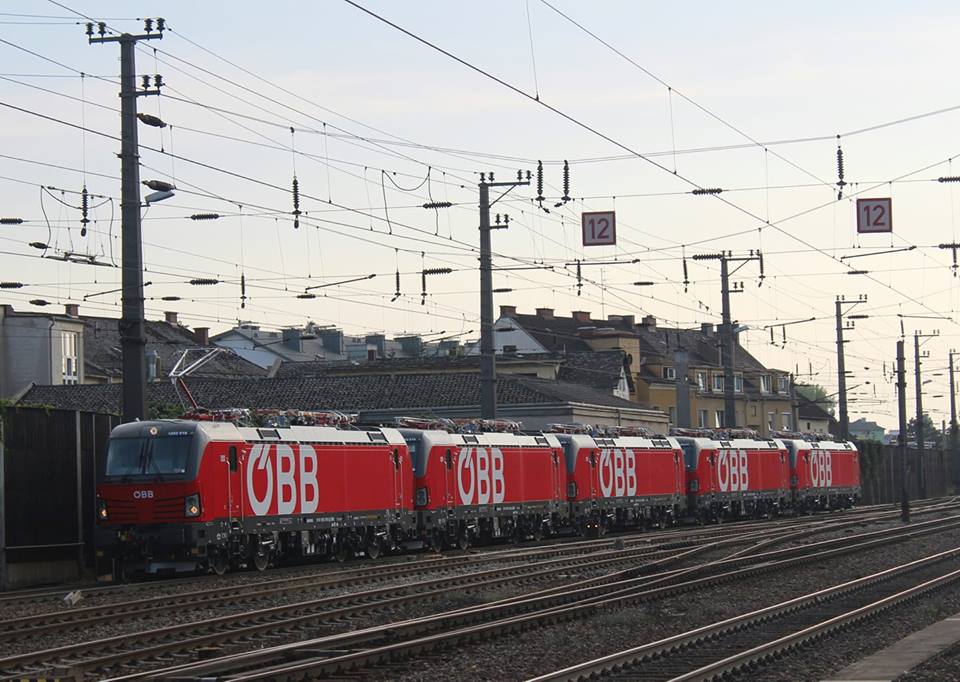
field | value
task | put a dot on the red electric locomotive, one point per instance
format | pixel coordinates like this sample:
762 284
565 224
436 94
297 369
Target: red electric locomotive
185 495
736 477
483 486
623 481
824 474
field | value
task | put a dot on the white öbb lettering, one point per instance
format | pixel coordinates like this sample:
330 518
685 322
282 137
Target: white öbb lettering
143 494
480 476
618 473
282 475
821 468
733 471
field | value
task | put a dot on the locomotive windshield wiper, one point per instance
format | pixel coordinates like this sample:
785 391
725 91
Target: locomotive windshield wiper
149 460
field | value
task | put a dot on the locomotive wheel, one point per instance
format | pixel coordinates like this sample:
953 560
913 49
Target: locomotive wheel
220 562
342 553
463 540
374 548
261 559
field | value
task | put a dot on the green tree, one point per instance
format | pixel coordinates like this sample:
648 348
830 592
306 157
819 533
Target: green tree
816 394
930 431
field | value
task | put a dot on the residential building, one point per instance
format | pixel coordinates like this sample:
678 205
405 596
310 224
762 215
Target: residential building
70 348
313 342
39 348
814 419
863 429
763 395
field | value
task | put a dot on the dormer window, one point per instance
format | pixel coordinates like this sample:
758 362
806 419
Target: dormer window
670 373
765 384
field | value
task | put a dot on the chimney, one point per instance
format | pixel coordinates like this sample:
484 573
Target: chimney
581 316
545 313
508 311
171 317
332 340
629 321
615 319
378 340
412 345
202 335
291 339
706 328
649 322
72 309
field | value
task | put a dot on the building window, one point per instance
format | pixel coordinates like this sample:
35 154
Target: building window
702 381
764 383
738 383
669 372
702 419
787 421
783 384
771 421
672 411
718 383
719 419
71 342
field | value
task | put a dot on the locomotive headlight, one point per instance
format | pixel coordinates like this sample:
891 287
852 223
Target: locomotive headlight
102 512
191 505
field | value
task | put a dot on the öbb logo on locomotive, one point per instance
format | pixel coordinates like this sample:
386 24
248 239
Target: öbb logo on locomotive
733 471
618 473
143 494
280 473
480 476
821 468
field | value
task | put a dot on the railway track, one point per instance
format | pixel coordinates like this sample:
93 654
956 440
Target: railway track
741 643
283 621
374 646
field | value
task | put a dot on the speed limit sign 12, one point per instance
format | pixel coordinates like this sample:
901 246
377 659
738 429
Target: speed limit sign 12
599 228
875 215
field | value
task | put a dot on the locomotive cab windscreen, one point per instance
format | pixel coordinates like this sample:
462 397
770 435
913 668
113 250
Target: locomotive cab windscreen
143 451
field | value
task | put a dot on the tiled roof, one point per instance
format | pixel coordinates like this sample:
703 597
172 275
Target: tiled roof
600 369
346 393
807 409
102 357
569 334
557 335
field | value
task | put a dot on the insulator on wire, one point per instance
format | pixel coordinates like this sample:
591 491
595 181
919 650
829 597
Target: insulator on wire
159 185
205 216
579 279
841 183
949 178
151 120
423 292
540 182
396 294
11 285
762 275
38 301
11 221
84 208
306 295
40 245
243 290
438 204
296 203
686 279
700 191
170 298
204 281
566 181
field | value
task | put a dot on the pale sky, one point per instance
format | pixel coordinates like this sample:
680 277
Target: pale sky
772 74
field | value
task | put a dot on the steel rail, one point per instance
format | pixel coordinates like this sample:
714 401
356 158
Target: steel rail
487 621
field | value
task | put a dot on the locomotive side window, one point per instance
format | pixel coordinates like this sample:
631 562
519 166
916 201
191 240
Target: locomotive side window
396 459
448 458
233 458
